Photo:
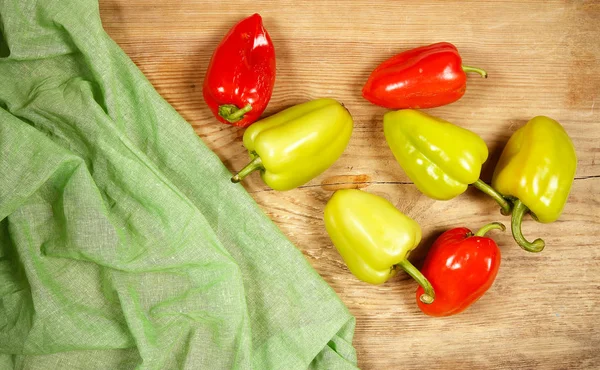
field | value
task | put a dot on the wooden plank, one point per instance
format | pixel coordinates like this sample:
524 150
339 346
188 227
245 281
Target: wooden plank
543 59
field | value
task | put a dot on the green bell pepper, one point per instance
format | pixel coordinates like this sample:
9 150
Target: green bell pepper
442 159
373 237
536 170
297 144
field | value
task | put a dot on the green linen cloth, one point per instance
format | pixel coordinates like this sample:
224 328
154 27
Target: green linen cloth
123 243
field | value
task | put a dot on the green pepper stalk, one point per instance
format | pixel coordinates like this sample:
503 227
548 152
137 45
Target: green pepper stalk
481 72
254 165
429 296
233 114
505 204
518 212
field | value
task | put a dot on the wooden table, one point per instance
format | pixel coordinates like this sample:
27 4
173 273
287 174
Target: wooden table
543 58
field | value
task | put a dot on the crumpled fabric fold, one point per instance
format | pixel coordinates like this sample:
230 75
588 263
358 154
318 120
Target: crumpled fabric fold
123 244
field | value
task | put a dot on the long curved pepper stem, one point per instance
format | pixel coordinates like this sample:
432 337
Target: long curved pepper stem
468 69
489 227
519 210
499 198
429 296
255 164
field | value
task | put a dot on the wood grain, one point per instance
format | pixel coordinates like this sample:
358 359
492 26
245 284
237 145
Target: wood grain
543 58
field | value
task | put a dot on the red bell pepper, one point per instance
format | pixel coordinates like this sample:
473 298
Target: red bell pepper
461 267
240 77
424 77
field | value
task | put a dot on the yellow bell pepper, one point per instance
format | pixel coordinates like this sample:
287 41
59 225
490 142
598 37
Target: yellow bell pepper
442 159
537 168
297 144
373 237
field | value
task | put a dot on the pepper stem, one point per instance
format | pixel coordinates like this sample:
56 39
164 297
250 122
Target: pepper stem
429 296
255 164
468 69
499 198
518 212
232 113
489 227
